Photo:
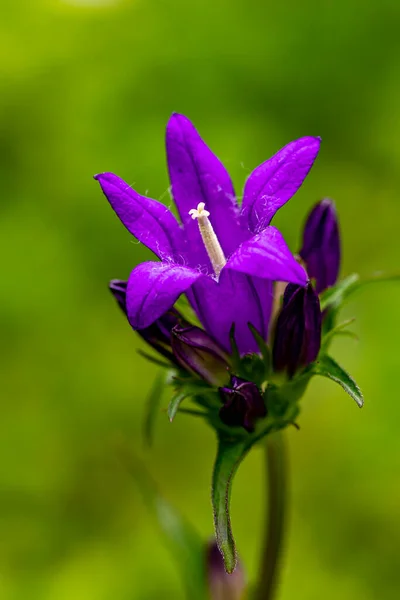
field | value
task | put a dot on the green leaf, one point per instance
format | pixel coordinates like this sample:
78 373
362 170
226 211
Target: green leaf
152 408
184 543
229 456
336 294
174 404
327 367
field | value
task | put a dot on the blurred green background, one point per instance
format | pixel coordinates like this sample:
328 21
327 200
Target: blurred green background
88 86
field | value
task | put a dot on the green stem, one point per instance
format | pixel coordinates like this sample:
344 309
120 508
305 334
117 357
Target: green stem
275 458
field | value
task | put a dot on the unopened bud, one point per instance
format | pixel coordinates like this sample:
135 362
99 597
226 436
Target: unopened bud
298 329
321 245
196 351
243 404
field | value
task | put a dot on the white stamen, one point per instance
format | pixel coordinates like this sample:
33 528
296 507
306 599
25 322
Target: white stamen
211 243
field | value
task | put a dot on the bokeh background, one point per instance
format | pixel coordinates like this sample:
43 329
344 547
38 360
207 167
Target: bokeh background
88 86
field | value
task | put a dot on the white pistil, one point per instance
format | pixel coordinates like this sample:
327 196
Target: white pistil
213 247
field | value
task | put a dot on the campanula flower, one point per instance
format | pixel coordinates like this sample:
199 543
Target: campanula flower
224 257
321 245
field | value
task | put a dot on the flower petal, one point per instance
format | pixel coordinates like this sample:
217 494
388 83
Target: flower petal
197 175
149 221
275 181
267 255
235 299
153 288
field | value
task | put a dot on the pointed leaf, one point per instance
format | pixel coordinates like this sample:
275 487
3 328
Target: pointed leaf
174 404
154 359
336 294
327 367
152 408
229 456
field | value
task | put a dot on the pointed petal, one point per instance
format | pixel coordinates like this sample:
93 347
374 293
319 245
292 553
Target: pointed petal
153 288
267 255
234 299
149 221
197 175
275 181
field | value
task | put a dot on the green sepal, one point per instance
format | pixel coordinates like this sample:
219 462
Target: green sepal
327 367
334 296
281 400
154 359
234 355
174 404
252 368
264 349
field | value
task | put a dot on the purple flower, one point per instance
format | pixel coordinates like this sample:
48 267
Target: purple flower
321 245
243 404
298 329
196 351
223 257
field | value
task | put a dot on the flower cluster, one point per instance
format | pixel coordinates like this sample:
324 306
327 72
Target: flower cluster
260 319
226 258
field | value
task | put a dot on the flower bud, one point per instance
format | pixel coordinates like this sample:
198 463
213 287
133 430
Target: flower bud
243 404
196 351
298 329
158 334
221 585
321 245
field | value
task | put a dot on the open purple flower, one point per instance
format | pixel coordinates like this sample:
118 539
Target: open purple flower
223 257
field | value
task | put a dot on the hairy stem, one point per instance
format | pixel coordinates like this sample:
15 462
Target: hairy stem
276 480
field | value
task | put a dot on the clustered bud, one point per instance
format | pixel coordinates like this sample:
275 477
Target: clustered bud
243 404
197 352
298 329
321 245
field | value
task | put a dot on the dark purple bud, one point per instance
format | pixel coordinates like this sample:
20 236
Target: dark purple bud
298 329
321 245
158 335
243 404
221 585
196 351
